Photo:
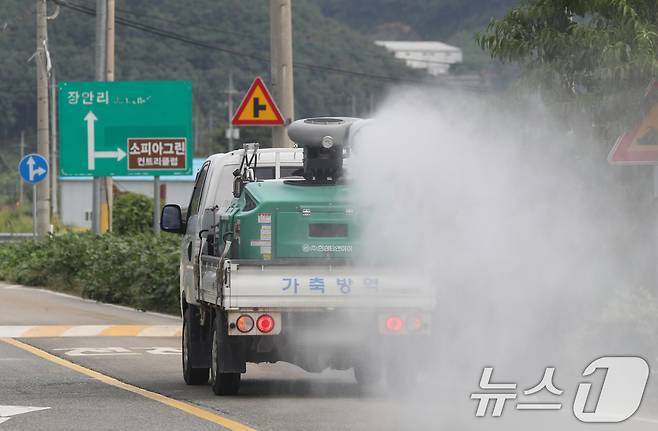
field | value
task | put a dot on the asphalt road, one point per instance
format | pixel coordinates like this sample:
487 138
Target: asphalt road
117 382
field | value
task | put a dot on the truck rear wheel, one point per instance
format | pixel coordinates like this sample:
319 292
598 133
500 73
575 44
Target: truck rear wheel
222 383
192 376
401 379
368 374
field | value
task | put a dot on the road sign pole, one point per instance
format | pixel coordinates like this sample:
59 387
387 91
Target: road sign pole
101 55
281 58
230 93
109 76
156 205
54 188
34 212
20 182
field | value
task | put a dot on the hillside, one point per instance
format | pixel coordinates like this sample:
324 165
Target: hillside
241 27
333 34
451 21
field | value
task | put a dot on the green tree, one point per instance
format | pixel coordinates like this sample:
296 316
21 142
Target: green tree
592 55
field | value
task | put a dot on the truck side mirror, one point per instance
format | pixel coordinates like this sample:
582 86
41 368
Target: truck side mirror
237 187
171 219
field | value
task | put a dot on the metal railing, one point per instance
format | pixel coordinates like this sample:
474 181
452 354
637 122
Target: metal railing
14 236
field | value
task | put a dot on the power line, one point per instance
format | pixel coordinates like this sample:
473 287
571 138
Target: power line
251 35
202 44
172 21
10 25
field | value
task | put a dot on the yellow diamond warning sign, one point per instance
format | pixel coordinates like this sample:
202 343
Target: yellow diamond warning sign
258 108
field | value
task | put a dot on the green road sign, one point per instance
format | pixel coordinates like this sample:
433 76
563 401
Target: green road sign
125 128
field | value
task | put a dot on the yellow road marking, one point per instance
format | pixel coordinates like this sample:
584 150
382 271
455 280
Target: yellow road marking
122 331
46 331
180 405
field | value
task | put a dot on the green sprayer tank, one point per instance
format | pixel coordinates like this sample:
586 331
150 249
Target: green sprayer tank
309 217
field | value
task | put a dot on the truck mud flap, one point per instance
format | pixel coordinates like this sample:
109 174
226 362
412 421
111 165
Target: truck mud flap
232 350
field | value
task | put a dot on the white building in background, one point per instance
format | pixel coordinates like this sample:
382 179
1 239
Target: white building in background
76 193
435 57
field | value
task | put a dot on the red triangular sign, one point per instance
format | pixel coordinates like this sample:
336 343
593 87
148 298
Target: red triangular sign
258 108
639 145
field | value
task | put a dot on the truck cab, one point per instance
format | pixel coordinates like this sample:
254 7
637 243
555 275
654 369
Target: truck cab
212 189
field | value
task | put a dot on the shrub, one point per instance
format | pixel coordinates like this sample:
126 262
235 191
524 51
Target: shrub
140 270
16 219
133 213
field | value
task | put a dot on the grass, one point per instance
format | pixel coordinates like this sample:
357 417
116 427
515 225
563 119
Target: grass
15 220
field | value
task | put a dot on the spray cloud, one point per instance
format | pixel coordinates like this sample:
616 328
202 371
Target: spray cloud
534 250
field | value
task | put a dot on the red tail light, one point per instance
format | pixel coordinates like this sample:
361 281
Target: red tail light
394 323
265 323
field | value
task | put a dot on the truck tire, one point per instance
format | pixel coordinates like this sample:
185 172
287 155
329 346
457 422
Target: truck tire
368 374
401 379
222 383
192 376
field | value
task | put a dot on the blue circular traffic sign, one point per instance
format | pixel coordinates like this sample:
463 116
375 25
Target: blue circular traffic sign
33 168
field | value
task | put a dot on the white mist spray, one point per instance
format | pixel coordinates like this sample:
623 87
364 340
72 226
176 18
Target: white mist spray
524 228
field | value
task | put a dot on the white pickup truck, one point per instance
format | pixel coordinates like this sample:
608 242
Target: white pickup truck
268 269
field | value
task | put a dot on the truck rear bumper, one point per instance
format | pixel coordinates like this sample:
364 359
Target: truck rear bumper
338 339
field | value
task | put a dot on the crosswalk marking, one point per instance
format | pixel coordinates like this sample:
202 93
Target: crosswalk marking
40 331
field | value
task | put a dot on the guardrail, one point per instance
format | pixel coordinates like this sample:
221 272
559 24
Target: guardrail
19 236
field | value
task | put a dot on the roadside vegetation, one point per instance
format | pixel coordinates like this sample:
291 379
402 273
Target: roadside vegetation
15 220
131 266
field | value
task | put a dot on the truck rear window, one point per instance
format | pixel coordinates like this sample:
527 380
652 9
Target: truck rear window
327 230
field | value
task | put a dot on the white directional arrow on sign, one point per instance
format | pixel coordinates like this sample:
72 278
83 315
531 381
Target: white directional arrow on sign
7 411
31 171
90 118
92 154
118 154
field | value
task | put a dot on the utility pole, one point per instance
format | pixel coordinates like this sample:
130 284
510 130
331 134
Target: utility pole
101 46
54 168
156 205
43 146
281 69
109 76
20 180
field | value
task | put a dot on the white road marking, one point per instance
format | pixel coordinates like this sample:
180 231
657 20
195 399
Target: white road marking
6 412
97 351
84 330
648 420
161 350
18 410
159 331
117 351
13 331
